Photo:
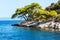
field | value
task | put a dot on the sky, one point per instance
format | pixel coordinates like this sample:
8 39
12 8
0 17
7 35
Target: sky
8 7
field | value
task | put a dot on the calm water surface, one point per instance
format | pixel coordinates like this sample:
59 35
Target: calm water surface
8 32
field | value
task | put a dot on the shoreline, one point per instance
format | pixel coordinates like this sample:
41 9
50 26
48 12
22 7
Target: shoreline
39 25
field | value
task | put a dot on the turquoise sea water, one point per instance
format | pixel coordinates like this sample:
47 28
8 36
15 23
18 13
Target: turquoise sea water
8 32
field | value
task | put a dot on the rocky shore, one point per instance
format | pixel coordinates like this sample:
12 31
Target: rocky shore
41 25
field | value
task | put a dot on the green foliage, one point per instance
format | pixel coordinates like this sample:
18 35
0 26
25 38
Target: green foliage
43 14
54 6
35 12
53 13
14 15
27 10
58 18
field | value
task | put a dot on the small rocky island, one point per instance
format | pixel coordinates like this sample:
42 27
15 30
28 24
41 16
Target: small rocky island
41 25
37 17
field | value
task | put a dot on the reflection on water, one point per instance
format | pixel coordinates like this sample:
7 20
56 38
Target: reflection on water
51 29
8 32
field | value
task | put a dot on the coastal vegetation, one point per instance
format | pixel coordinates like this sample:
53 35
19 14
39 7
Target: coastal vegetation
35 12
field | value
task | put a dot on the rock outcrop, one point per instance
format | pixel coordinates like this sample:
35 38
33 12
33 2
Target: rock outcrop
42 25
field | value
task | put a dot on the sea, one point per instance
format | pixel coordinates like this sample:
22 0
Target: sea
9 32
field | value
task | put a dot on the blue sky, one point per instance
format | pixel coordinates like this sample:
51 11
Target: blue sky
8 7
